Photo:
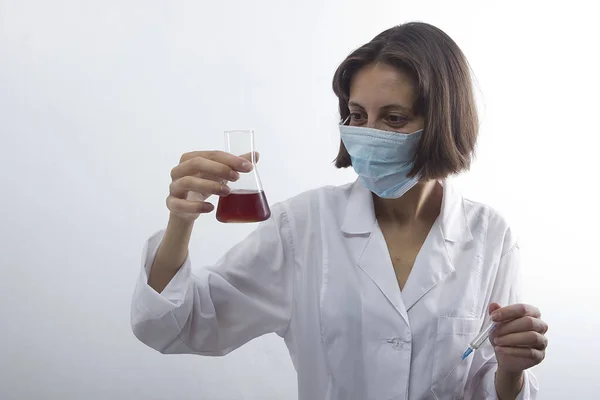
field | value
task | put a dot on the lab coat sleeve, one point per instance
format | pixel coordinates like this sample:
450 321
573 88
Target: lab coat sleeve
506 291
214 310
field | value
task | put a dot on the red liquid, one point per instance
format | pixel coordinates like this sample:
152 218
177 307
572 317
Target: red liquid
243 206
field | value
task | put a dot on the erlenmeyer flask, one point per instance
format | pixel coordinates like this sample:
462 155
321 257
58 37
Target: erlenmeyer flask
247 201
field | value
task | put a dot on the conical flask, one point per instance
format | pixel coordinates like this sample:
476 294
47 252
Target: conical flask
247 201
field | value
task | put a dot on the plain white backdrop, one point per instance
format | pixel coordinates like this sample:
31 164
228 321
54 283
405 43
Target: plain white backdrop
98 99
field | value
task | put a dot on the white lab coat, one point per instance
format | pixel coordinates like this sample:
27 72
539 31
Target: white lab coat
318 273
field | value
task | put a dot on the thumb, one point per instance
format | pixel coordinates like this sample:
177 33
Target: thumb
493 307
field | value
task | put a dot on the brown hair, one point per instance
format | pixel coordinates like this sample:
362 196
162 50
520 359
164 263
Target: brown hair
444 94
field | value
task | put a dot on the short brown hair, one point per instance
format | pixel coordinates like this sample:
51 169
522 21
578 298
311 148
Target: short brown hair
444 94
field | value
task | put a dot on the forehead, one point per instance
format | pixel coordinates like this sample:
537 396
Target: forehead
378 85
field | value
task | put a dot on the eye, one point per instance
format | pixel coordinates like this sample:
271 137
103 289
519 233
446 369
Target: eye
357 117
397 119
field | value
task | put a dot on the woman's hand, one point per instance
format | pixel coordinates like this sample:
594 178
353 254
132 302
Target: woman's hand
199 175
519 342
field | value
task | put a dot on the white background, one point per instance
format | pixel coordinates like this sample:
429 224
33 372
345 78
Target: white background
98 99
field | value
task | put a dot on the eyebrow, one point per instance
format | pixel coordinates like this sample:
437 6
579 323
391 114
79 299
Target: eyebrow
386 107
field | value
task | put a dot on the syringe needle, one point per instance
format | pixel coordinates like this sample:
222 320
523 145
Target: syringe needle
452 370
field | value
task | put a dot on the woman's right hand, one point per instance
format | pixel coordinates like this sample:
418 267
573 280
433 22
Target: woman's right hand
199 175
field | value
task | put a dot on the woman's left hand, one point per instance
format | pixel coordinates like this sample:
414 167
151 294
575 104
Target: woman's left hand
519 339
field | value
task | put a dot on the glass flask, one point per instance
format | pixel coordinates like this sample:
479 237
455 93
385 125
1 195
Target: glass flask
247 201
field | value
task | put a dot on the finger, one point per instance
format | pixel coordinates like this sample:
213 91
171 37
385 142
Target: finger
493 307
248 156
216 154
182 186
190 155
237 163
515 311
534 354
178 205
204 166
523 324
210 177
522 339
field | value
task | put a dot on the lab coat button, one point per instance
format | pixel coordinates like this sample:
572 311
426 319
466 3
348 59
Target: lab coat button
396 343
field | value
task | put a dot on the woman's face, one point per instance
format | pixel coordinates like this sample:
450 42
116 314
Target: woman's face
382 97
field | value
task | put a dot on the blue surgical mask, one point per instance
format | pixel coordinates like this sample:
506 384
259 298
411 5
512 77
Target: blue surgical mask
382 159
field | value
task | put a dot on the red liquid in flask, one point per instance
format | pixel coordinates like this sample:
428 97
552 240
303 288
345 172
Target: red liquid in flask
243 206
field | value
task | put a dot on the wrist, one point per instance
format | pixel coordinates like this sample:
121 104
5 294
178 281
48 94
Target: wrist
178 225
508 384
173 249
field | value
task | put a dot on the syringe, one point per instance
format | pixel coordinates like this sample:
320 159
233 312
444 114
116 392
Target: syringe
480 339
475 344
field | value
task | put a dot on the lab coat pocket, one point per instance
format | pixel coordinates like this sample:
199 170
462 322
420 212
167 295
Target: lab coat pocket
452 339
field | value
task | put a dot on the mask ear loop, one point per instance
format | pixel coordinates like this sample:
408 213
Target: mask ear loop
345 122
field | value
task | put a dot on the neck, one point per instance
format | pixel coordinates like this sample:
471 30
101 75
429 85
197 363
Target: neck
422 202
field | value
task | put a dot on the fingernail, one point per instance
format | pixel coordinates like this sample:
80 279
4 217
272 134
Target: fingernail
496 316
234 176
225 190
247 166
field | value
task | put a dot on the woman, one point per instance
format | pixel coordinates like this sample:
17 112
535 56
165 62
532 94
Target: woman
378 286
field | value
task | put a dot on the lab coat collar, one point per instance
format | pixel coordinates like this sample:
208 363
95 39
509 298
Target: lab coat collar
360 213
360 217
454 217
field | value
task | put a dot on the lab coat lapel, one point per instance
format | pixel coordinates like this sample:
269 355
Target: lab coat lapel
376 263
436 259
368 244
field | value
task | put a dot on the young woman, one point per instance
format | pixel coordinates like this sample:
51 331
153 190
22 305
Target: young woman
377 286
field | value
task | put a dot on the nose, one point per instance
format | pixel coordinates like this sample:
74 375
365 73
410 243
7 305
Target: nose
373 123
